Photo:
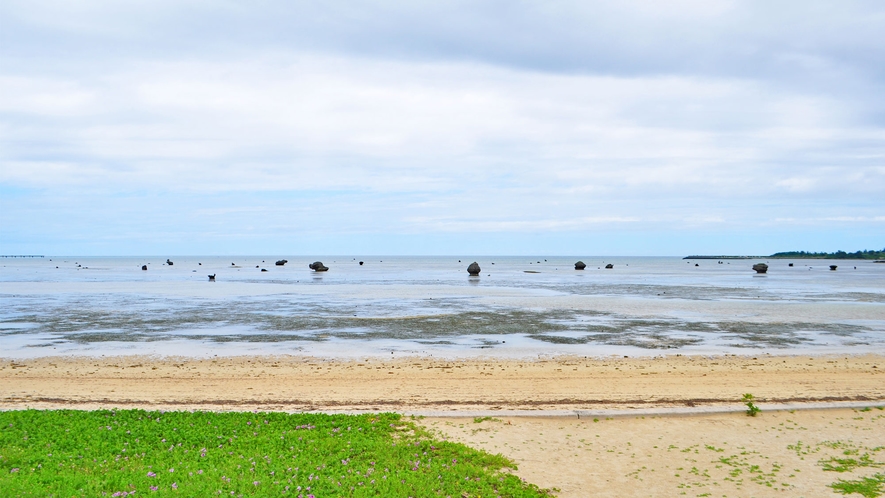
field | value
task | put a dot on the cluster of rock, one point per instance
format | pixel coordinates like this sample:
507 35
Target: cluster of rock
212 277
318 266
281 262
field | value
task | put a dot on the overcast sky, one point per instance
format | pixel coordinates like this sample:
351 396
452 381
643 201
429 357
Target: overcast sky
475 127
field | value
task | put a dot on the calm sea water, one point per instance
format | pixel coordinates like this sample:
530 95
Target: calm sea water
518 307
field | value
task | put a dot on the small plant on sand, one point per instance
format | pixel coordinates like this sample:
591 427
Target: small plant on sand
752 409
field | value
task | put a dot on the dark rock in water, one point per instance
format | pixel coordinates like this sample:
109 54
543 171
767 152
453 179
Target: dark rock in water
170 263
233 264
791 264
580 265
361 263
256 266
201 264
474 269
609 266
144 267
833 267
212 277
281 262
263 269
697 264
317 266
760 268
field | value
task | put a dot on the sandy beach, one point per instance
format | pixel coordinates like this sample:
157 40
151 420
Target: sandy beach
429 385
647 429
774 454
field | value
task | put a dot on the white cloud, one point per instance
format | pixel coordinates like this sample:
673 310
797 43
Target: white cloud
557 117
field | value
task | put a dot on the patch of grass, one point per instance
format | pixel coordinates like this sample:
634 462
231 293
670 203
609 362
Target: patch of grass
478 420
868 487
848 464
118 453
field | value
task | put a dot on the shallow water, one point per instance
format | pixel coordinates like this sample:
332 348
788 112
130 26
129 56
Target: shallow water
429 305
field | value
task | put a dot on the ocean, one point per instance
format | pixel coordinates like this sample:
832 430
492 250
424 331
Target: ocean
397 306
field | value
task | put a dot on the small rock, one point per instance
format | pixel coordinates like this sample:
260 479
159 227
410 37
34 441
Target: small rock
580 265
143 267
281 262
317 266
263 269
474 269
212 277
609 266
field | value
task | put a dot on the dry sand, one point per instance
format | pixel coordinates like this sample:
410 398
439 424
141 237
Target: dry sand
773 454
426 384
616 456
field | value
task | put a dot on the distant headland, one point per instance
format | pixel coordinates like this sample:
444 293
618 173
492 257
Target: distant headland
868 254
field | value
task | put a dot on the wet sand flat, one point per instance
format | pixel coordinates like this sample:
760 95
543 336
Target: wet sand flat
427 384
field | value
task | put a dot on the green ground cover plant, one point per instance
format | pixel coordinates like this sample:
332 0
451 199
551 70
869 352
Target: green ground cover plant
153 453
868 487
752 409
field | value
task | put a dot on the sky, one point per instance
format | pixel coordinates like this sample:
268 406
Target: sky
455 128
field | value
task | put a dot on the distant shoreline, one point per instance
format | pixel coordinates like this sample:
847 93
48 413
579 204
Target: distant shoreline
858 255
726 257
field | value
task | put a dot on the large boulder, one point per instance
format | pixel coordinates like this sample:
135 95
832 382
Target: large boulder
609 266
474 269
144 267
281 262
833 267
170 263
317 266
580 265
760 268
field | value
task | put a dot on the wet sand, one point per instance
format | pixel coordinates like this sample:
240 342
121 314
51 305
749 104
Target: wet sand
426 385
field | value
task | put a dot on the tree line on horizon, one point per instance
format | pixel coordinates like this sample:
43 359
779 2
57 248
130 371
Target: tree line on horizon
868 254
